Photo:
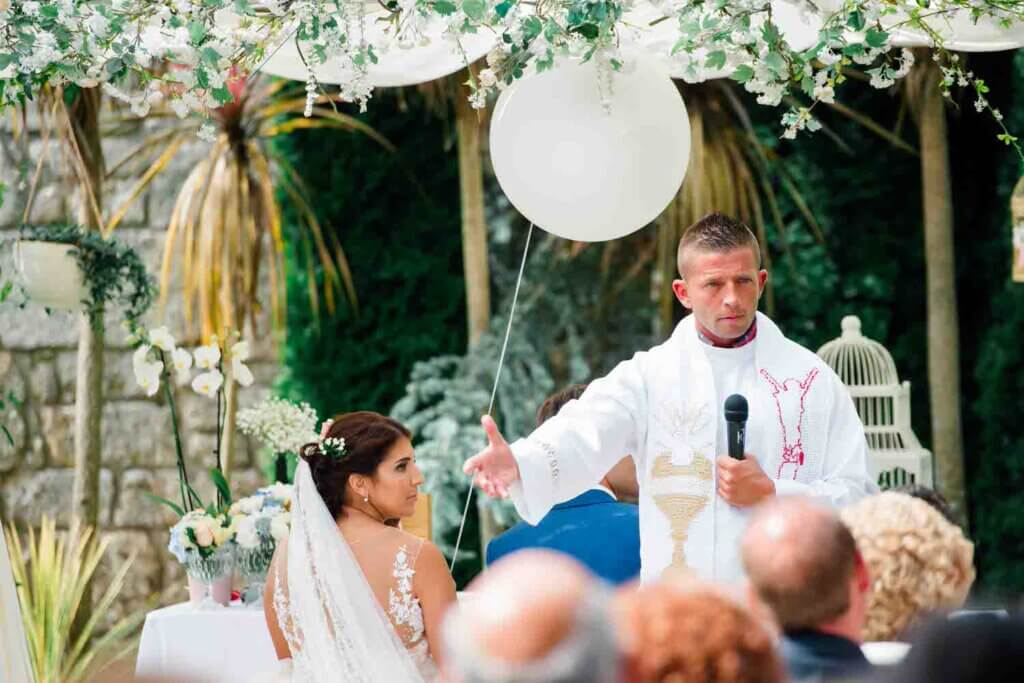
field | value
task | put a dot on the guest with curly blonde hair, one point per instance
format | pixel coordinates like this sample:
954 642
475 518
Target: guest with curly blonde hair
676 634
919 562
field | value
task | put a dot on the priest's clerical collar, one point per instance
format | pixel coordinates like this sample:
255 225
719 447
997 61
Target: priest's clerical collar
736 343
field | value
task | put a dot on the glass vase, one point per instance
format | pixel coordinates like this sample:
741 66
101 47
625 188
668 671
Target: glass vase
209 578
253 564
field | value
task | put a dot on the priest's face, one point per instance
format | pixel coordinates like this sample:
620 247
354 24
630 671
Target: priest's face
722 289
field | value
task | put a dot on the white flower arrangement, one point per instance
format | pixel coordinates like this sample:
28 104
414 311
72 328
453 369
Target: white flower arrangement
199 532
119 42
262 517
282 426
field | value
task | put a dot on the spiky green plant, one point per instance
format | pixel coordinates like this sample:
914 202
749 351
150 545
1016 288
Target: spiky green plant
51 572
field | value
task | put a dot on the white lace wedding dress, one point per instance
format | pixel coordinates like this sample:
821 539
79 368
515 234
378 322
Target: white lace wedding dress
330 598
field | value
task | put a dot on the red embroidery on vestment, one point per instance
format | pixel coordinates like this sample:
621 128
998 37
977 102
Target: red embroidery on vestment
786 394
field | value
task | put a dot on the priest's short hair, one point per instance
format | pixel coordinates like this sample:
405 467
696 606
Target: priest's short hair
716 232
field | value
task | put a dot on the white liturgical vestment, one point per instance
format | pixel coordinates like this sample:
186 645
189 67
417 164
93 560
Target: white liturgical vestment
664 407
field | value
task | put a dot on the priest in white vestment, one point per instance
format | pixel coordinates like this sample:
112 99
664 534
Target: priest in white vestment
664 407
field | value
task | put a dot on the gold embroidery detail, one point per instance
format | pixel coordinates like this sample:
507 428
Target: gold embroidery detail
700 467
680 509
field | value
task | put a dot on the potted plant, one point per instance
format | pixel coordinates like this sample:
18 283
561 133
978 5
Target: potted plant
67 267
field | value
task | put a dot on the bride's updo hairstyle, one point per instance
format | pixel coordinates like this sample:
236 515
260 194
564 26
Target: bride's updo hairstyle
368 438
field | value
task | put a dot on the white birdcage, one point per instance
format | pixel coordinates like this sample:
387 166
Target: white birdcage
867 369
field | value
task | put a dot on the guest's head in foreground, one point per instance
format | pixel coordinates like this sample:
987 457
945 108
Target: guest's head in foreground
803 565
919 562
536 616
964 650
721 279
365 462
692 634
621 478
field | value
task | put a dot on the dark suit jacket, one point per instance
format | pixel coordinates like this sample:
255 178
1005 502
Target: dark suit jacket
594 528
814 656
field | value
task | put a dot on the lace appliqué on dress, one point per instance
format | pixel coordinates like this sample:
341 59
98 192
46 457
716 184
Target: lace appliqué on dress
403 607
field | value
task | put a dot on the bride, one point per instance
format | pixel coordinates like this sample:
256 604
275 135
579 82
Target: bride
350 596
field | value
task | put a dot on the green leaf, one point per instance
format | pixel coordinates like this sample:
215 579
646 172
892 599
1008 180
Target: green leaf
875 38
210 56
474 9
855 20
6 60
502 8
774 61
588 31
444 7
223 94
715 60
157 499
742 74
770 33
221 483
196 32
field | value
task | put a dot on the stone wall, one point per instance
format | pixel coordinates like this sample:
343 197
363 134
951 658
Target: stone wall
38 361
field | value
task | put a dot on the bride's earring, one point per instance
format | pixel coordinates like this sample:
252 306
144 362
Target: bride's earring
366 499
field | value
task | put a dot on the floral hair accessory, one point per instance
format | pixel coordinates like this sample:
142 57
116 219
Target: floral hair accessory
333 447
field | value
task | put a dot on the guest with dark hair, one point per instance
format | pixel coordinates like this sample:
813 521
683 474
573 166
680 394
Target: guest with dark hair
803 564
930 496
975 650
595 527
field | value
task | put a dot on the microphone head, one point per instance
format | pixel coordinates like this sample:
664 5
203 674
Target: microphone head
736 408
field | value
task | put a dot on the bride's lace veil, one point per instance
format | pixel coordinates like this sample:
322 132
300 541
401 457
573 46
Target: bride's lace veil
335 628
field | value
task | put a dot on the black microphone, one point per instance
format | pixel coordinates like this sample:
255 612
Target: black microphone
736 424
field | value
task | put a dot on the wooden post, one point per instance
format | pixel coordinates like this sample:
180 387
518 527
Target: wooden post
86 137
940 268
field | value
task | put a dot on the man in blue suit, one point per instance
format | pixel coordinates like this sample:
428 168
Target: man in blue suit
596 527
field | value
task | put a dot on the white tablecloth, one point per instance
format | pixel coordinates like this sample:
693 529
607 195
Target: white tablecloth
216 644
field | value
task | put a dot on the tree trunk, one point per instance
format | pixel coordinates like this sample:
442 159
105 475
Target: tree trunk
474 254
940 264
474 223
89 379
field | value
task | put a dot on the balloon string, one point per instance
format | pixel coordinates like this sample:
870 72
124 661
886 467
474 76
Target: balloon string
494 389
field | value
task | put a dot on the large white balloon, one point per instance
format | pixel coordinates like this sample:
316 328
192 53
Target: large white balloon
959 32
397 65
582 170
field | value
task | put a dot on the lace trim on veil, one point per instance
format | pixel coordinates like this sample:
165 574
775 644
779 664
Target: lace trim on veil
334 626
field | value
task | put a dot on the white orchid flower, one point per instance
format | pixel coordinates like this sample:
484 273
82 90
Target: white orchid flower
207 357
241 373
140 358
162 339
182 360
147 372
240 350
148 378
208 383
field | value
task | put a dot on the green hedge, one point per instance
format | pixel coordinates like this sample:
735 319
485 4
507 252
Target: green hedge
398 220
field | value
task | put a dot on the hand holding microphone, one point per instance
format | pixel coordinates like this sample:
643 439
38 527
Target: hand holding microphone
741 481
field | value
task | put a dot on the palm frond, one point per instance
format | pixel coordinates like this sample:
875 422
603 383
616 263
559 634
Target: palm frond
51 584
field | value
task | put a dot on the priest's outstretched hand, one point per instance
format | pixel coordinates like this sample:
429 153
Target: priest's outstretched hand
743 483
494 468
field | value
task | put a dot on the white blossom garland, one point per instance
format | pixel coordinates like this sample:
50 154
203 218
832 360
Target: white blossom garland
182 51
